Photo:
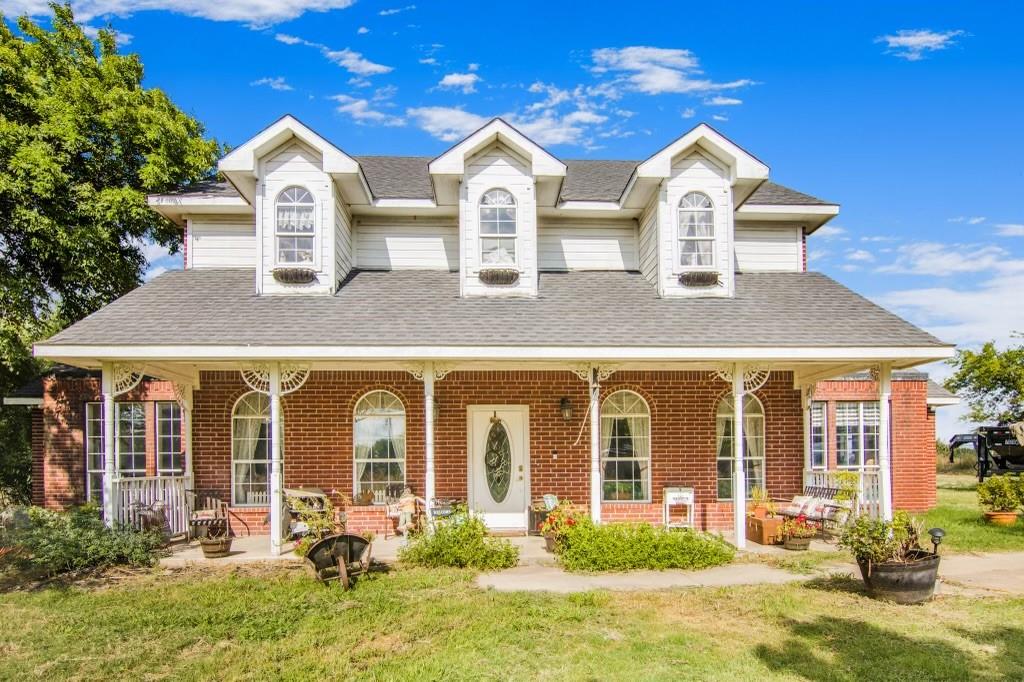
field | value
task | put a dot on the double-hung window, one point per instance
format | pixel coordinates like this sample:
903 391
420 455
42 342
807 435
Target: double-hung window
819 435
379 445
131 438
696 231
295 227
498 228
625 448
857 425
753 444
170 459
250 450
94 452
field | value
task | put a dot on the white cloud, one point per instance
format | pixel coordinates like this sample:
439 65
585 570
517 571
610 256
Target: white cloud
581 116
860 255
720 101
120 37
473 67
879 238
251 12
970 220
933 258
459 81
448 124
396 10
849 267
362 30
817 254
655 70
275 83
555 96
719 117
688 112
363 113
829 232
350 60
913 44
385 93
429 60
1010 229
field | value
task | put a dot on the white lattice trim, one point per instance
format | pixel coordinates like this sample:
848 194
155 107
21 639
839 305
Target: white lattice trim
126 377
183 394
583 370
416 369
753 377
293 377
257 377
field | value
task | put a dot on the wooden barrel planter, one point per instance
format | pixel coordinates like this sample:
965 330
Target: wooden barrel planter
215 548
910 582
797 544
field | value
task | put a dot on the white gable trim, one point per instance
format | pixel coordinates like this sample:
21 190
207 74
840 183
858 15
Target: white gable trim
742 165
244 158
453 161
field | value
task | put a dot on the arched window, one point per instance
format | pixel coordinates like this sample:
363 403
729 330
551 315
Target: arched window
498 228
753 444
696 231
250 450
379 445
625 448
295 227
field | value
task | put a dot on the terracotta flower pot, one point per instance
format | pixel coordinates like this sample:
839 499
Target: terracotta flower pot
1001 518
797 544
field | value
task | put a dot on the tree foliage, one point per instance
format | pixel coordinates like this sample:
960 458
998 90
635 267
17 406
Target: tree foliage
82 143
991 381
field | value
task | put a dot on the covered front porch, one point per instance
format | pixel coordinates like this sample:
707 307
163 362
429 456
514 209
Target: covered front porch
608 436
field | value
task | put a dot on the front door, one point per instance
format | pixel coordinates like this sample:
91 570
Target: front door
499 456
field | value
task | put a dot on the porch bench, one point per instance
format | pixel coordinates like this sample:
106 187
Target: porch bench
817 504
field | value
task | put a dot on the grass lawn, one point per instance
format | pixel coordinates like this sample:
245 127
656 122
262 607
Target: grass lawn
961 517
433 625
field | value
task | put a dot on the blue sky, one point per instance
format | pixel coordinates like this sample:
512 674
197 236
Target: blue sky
907 114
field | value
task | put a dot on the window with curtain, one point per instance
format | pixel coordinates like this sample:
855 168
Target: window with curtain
753 444
819 436
250 451
170 460
131 438
497 228
94 452
696 231
625 448
857 434
295 227
379 444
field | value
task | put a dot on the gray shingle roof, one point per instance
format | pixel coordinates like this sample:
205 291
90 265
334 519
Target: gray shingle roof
212 189
772 193
407 307
939 392
406 177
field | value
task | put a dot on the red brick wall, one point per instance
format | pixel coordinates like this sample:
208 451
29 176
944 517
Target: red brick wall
912 432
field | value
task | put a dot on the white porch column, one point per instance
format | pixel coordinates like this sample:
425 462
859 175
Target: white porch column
276 476
595 445
428 434
109 454
805 402
884 440
739 479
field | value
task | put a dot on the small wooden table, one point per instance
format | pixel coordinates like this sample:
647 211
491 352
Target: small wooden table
766 531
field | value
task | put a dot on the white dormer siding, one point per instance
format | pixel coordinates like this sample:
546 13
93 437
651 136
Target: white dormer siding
497 167
648 243
770 247
296 164
695 172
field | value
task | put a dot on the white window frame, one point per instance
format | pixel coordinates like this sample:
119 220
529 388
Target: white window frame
173 423
393 457
135 471
821 408
94 458
680 239
749 415
250 461
481 235
643 462
279 233
855 440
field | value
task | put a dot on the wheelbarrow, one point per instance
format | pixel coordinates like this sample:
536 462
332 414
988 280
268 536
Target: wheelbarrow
339 558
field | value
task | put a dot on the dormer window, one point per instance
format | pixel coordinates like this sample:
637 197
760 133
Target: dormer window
696 231
295 228
498 228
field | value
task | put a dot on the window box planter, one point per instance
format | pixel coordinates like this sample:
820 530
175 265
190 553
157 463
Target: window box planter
699 278
910 582
499 276
294 275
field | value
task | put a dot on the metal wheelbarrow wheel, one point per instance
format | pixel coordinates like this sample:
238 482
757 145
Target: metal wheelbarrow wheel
339 558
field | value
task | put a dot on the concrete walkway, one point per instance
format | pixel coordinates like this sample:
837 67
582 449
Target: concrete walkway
983 573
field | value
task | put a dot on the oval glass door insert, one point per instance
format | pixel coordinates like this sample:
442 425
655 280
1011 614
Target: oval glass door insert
498 461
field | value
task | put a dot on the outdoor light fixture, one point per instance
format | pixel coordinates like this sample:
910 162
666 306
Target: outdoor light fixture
565 406
937 535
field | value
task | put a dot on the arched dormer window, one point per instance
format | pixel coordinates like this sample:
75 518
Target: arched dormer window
696 231
625 448
498 228
753 444
295 227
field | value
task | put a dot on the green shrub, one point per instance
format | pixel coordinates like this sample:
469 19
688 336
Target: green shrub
875 541
628 546
1001 493
59 542
460 541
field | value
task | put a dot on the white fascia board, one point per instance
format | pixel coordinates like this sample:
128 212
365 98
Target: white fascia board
186 201
404 203
453 161
904 355
943 402
743 165
27 402
787 211
243 159
589 206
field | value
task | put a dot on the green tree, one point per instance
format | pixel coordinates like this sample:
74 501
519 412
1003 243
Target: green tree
82 143
991 381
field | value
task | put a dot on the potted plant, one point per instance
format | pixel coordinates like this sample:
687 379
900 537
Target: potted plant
798 532
762 506
892 563
217 541
560 518
1000 497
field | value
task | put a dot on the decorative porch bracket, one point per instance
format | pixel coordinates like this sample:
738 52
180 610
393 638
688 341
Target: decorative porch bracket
754 377
292 377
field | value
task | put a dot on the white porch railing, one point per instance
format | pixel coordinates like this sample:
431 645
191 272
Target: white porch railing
869 488
129 493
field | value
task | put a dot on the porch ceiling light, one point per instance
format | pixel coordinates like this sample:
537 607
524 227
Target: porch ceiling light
565 407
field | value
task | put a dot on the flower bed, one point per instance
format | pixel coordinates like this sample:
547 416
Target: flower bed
585 546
